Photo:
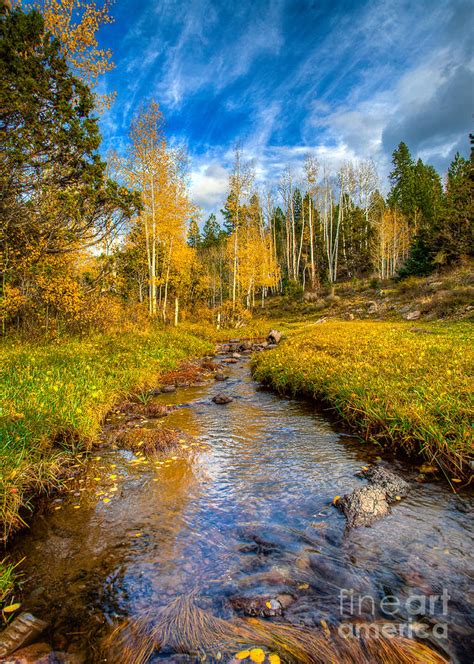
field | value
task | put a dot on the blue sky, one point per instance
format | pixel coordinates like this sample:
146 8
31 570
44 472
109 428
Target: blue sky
340 79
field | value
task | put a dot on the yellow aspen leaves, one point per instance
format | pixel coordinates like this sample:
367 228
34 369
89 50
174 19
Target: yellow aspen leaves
336 499
273 658
257 655
243 654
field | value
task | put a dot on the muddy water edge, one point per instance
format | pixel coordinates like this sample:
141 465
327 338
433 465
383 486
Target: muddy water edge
239 510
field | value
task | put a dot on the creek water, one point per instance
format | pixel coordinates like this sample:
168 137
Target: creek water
248 514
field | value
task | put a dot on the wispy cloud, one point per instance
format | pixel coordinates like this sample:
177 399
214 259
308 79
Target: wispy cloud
287 77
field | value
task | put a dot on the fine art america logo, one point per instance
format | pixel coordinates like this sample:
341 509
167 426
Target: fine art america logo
413 608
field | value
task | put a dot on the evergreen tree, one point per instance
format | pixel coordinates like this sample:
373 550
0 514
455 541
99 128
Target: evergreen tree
456 229
55 190
229 214
403 192
212 232
194 235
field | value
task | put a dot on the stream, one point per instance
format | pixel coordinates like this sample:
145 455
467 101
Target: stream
247 515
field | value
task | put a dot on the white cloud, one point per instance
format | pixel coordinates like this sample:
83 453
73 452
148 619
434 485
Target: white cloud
209 183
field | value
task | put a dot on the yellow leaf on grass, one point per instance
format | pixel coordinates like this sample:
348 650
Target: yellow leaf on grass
336 499
113 477
268 605
77 507
303 586
243 654
325 628
106 500
257 655
274 658
12 608
455 479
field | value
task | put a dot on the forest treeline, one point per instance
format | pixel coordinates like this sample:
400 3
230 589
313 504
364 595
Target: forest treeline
90 242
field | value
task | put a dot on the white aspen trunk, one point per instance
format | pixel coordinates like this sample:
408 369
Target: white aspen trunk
176 311
165 297
153 250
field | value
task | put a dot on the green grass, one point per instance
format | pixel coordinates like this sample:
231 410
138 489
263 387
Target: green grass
53 399
7 580
412 390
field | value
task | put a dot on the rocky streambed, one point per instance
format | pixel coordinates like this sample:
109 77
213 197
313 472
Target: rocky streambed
215 493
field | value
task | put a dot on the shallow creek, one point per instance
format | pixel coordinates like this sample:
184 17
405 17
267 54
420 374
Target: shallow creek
247 513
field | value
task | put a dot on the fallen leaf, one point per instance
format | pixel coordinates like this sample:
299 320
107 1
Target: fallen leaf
58 507
273 658
77 507
11 608
303 586
257 655
243 654
325 627
113 477
336 499
455 479
106 500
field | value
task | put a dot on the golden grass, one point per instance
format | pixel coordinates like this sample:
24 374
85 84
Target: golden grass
392 384
185 628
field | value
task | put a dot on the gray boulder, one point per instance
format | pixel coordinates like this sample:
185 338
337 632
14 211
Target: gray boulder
367 504
364 506
394 486
274 337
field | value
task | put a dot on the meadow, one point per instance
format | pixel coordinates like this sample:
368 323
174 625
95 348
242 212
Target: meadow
392 383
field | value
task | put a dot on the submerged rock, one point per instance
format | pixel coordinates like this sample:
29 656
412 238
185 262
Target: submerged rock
22 631
220 376
222 399
41 653
168 388
265 607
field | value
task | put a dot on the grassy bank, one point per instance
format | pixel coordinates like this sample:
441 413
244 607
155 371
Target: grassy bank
54 396
408 388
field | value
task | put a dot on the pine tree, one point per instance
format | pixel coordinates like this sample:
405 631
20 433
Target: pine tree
211 232
403 194
456 229
194 235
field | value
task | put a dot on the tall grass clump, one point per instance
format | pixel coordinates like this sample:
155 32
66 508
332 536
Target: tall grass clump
184 627
408 386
